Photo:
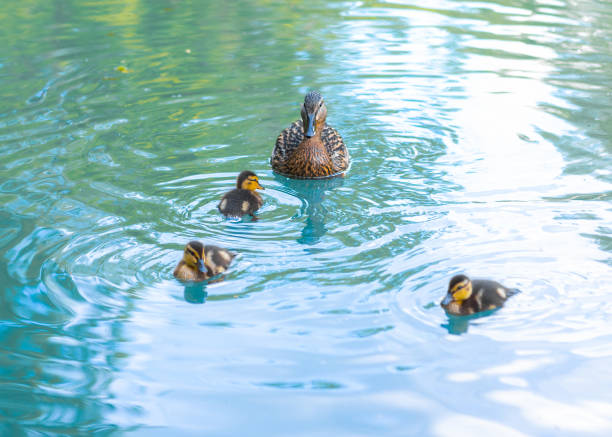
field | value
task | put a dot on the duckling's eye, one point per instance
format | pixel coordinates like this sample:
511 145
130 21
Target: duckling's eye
192 252
459 287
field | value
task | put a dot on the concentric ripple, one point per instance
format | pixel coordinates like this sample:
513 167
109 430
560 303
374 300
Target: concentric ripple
479 134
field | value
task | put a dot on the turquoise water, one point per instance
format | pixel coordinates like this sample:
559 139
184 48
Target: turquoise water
480 138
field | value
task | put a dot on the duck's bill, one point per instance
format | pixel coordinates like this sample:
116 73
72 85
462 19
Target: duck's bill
448 299
311 130
201 266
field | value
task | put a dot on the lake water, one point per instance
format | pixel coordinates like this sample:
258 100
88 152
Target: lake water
480 135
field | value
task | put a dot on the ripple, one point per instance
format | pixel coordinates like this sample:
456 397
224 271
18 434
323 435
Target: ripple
479 137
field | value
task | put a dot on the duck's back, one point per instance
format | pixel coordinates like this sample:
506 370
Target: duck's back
290 138
487 295
217 259
239 202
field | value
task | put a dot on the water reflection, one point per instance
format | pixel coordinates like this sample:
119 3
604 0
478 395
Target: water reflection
312 193
195 293
457 325
482 133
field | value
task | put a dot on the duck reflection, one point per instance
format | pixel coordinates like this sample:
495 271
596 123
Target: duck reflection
195 292
312 192
458 325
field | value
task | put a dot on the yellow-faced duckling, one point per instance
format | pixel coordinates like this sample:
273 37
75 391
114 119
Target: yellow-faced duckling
318 153
466 296
202 262
243 199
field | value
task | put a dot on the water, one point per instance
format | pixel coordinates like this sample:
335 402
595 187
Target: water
480 137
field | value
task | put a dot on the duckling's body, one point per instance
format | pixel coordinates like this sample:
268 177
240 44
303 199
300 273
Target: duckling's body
202 262
466 296
310 148
242 200
239 202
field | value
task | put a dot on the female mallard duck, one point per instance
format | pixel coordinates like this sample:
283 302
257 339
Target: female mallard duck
243 199
202 262
318 154
466 296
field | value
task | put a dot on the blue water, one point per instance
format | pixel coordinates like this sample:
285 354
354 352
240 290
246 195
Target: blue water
479 133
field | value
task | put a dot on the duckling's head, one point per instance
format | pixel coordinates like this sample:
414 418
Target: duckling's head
314 113
459 289
194 255
247 180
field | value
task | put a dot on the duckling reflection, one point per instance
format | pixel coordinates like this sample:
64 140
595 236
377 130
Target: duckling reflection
458 325
312 193
195 293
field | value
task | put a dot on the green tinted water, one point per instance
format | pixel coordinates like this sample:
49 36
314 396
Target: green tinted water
480 138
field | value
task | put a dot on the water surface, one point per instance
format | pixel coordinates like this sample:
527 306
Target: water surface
480 138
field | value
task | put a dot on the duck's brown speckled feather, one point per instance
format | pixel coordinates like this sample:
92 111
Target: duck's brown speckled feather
288 141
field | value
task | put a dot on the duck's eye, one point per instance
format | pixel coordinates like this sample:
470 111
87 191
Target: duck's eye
462 290
460 286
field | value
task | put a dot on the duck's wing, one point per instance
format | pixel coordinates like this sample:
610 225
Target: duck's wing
229 204
217 259
286 143
336 148
237 203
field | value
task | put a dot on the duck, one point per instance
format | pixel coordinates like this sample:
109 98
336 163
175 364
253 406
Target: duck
310 148
466 296
243 199
201 262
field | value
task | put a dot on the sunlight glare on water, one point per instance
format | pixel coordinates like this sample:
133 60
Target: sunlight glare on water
479 133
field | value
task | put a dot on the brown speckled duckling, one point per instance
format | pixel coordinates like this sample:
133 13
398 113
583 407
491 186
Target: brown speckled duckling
243 199
202 262
466 296
319 153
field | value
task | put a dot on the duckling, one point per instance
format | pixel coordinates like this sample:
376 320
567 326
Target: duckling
319 153
461 299
202 262
243 199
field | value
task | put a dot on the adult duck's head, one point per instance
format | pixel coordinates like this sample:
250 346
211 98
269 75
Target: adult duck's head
314 112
